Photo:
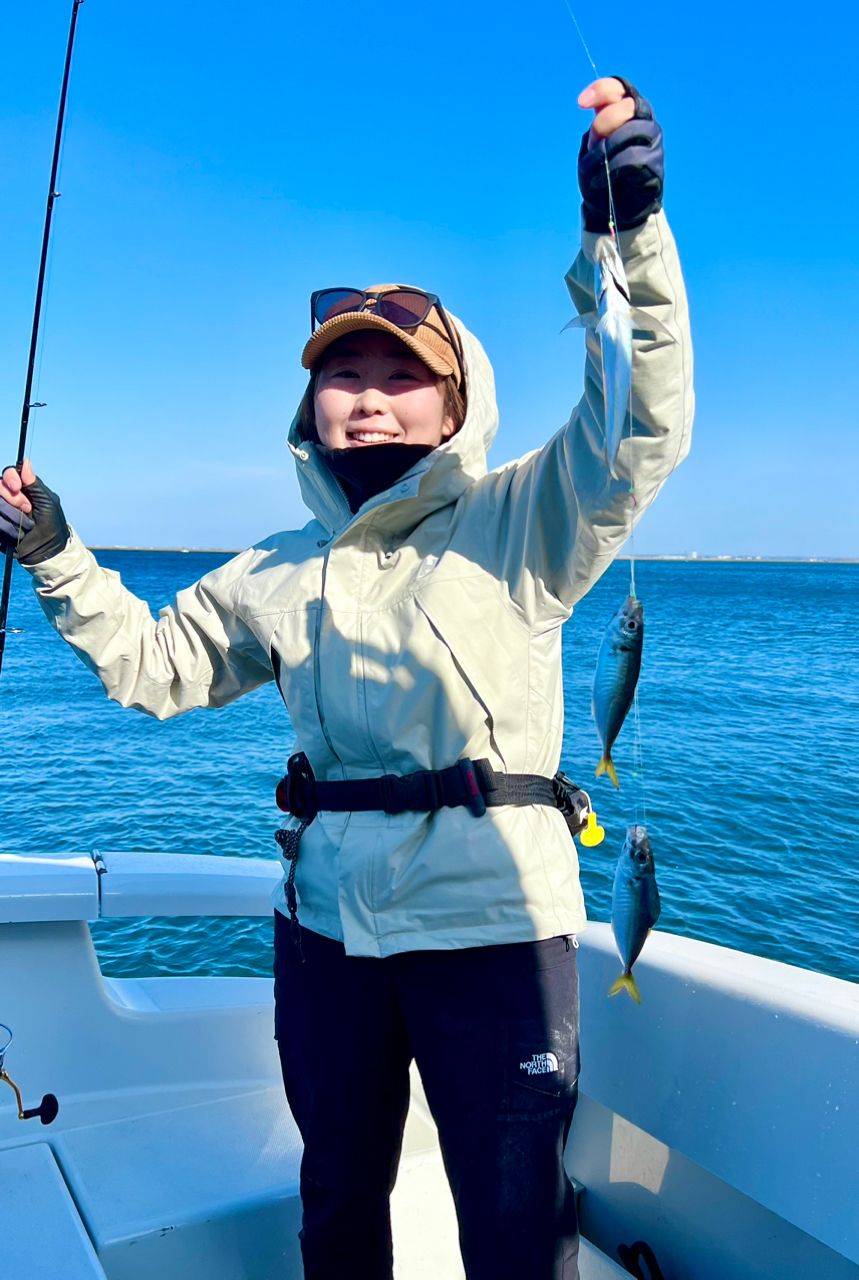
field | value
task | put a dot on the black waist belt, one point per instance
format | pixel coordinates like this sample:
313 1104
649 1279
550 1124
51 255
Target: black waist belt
473 784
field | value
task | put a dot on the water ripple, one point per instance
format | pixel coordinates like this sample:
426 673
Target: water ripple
749 697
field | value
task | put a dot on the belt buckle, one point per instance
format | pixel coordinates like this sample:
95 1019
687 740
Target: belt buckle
573 802
475 799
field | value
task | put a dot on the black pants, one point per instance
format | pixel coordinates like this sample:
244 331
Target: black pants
494 1032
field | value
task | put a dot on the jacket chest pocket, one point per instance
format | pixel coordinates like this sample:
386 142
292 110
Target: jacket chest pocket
486 645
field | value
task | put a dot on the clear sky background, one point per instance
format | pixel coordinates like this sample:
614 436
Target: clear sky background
223 160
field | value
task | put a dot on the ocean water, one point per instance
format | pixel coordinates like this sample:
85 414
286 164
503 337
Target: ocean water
749 719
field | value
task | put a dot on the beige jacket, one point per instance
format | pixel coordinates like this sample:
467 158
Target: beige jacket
422 630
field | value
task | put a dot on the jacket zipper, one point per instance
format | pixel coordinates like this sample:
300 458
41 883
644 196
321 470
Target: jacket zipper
317 686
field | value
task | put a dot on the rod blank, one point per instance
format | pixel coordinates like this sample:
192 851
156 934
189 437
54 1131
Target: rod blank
53 196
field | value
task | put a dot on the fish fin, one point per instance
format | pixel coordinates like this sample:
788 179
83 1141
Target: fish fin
606 765
589 320
626 983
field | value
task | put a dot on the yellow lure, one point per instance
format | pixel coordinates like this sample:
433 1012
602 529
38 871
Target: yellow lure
593 833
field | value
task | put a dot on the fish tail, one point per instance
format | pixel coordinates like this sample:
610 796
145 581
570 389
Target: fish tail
606 765
627 983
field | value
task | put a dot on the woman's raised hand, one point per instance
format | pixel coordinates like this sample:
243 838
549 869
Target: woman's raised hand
625 142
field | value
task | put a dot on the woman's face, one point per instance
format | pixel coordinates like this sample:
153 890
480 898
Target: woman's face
371 390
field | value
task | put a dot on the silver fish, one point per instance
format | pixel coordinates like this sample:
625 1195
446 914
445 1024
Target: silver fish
616 322
615 678
635 905
612 322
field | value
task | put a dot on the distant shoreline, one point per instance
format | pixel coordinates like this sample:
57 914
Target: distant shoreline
688 559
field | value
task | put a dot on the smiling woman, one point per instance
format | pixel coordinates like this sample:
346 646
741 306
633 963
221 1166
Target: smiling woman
374 410
385 384
386 367
413 627
371 389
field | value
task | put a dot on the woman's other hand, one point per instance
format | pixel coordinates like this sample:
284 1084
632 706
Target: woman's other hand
31 518
12 485
625 139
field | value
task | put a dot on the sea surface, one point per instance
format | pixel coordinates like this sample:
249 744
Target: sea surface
749 723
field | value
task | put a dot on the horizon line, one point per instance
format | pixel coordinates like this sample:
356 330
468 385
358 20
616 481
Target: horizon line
687 557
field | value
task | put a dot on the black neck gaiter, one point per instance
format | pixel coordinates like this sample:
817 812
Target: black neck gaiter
364 472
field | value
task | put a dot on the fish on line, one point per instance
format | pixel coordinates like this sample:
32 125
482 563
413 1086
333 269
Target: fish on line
635 905
616 677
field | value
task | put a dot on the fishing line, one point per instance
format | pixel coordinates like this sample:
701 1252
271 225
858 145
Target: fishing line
612 227
581 37
612 220
638 751
36 403
638 764
46 305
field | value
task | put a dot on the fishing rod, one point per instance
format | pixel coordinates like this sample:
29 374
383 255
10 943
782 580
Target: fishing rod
53 196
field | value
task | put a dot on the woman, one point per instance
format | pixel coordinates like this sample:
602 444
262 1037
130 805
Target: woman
431 895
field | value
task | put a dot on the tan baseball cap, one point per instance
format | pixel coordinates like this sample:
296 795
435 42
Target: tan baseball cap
428 341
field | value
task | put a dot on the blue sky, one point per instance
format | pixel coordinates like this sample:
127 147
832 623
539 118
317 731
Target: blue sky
222 161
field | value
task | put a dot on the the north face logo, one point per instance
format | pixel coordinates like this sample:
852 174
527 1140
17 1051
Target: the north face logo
540 1064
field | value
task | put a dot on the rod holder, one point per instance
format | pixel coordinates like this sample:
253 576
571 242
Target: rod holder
47 1110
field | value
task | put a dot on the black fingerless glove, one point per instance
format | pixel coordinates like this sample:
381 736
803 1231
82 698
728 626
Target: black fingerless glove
39 535
636 163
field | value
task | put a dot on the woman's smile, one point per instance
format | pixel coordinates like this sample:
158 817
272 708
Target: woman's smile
363 436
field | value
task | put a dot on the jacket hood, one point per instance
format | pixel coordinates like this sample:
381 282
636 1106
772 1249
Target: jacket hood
433 482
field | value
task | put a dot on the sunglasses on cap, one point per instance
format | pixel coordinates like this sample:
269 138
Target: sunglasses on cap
405 308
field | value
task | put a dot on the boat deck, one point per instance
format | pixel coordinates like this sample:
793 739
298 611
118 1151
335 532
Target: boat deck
718 1121
202 1186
